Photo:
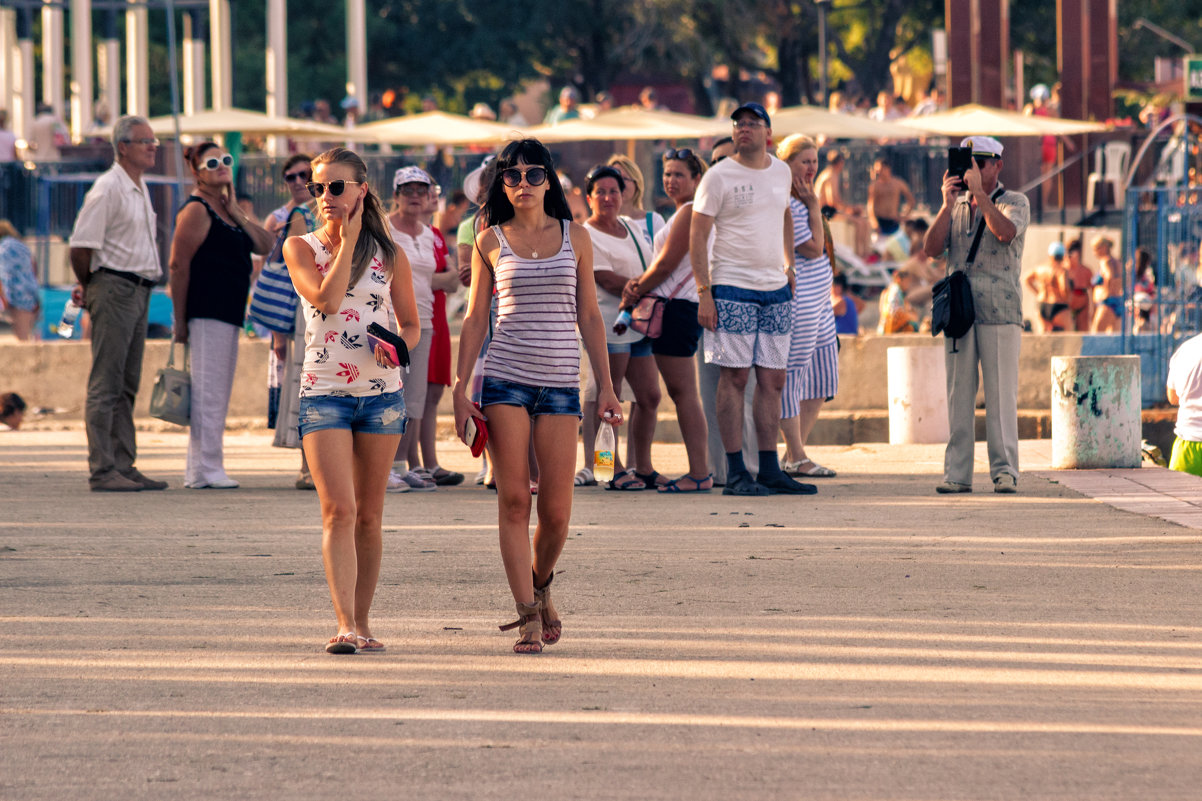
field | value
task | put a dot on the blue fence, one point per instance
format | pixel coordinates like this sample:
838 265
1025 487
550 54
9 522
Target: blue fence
1167 223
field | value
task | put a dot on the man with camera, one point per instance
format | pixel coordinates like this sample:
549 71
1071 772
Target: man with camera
982 227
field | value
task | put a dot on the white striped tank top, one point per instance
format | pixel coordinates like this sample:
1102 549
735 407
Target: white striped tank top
534 341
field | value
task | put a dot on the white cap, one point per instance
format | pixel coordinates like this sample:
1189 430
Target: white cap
983 146
411 175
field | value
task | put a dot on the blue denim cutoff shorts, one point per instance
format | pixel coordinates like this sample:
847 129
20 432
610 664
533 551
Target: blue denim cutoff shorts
367 414
535 400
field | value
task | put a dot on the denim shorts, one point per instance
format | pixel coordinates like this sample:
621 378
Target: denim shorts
367 414
640 347
535 400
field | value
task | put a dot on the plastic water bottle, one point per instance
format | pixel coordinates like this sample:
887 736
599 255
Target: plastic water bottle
603 453
66 324
623 321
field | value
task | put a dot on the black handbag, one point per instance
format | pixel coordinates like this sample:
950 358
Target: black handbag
952 309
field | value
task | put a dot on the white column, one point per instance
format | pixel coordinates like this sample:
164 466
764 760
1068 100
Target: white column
1096 421
8 47
220 56
356 52
108 67
137 65
277 70
917 377
21 114
81 68
52 58
194 63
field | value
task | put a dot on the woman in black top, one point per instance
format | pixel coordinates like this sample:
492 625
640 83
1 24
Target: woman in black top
210 279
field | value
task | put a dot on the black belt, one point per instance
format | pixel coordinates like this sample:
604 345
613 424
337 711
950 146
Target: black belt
137 279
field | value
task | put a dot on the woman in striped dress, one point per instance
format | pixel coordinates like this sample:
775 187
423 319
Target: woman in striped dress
813 368
540 264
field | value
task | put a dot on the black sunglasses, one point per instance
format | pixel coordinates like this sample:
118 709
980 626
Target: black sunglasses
318 189
683 154
980 160
303 175
534 176
716 159
604 171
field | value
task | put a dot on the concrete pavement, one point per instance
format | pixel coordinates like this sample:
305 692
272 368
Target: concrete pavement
873 642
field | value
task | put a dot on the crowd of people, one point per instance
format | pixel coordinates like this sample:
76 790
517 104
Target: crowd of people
734 303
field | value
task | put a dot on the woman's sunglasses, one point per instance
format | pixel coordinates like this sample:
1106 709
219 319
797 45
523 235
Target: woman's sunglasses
216 162
534 176
684 154
317 189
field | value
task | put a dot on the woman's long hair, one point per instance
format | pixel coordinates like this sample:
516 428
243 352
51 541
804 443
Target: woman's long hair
497 209
375 225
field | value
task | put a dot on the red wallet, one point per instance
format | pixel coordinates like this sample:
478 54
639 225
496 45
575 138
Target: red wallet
475 433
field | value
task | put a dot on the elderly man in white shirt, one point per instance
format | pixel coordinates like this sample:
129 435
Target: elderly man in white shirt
115 258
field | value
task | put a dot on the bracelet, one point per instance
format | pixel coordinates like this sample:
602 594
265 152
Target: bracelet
703 288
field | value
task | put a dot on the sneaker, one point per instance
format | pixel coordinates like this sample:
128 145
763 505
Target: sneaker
745 485
1006 484
783 485
951 487
396 483
417 483
483 474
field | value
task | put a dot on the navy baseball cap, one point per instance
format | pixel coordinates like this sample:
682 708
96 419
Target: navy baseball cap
754 108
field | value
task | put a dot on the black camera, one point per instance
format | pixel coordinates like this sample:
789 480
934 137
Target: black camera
959 161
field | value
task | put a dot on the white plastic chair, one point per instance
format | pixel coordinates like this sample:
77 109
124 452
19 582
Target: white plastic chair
1110 167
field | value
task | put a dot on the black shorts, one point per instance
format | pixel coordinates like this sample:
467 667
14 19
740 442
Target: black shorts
681 330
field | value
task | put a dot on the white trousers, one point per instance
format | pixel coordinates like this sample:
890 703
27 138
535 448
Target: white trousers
213 351
995 348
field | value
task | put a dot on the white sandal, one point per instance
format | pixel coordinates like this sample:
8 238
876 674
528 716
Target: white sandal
584 478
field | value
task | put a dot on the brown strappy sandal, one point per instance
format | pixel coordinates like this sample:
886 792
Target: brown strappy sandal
530 626
552 625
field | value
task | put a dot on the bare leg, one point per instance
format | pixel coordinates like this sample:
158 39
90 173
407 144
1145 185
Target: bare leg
806 418
644 380
429 432
552 436
766 406
790 427
680 375
732 383
372 454
24 324
508 448
588 432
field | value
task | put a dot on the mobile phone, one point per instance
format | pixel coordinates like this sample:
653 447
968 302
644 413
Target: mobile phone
959 161
379 336
475 434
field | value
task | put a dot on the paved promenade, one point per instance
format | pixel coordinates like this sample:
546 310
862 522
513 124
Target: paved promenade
874 642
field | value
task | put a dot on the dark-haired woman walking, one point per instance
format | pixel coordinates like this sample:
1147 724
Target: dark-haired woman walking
540 264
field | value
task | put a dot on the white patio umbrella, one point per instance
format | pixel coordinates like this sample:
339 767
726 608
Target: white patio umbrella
977 119
242 121
436 128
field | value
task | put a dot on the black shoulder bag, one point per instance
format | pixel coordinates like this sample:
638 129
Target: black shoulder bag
952 311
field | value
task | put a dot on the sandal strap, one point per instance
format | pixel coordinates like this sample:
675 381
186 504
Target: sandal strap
527 615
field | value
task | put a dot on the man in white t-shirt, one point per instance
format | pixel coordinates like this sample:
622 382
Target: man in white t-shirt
1185 391
745 286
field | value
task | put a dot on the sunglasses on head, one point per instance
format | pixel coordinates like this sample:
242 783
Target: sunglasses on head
216 162
683 154
533 175
317 189
300 175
